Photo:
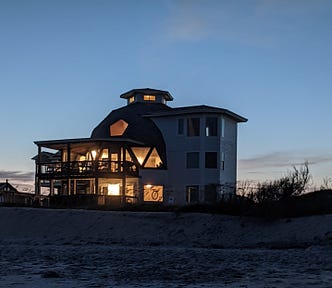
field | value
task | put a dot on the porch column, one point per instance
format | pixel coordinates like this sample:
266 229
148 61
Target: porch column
51 187
123 192
68 170
38 171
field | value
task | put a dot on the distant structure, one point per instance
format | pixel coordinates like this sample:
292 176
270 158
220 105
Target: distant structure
10 196
144 152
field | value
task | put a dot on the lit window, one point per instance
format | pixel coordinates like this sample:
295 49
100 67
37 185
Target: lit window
153 193
149 98
130 190
154 160
131 99
192 160
118 128
140 153
193 127
104 154
210 159
211 126
113 189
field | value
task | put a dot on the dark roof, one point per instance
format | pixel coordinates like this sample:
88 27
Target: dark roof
10 188
200 109
139 128
149 91
47 157
81 145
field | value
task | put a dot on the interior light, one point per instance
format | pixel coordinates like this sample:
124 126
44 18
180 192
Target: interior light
140 160
94 154
148 186
113 189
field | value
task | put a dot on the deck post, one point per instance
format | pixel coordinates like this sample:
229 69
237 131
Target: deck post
38 171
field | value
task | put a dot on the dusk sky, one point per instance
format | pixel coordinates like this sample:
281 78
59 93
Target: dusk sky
64 63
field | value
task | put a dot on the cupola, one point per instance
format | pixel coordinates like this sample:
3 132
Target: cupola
147 95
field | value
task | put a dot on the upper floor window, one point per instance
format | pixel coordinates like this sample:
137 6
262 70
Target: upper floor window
131 99
192 160
180 126
211 126
193 127
211 160
149 98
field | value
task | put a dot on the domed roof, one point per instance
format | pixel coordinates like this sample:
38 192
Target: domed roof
139 128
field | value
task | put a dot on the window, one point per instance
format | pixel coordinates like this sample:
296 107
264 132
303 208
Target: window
154 160
118 128
211 126
210 193
153 193
210 159
192 194
192 160
131 99
149 98
193 127
140 153
180 126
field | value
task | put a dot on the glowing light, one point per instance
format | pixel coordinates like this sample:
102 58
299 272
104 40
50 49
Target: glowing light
149 98
94 154
113 189
153 193
140 160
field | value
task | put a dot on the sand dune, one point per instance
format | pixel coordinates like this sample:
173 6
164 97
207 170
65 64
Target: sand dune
155 229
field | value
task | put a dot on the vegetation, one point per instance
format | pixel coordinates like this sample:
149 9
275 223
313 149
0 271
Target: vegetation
292 184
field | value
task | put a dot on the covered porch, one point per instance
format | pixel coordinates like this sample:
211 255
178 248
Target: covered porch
95 171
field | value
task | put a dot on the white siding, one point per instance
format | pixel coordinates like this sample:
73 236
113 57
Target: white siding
178 145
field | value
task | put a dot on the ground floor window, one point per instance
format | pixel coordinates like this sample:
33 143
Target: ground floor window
153 193
192 194
210 193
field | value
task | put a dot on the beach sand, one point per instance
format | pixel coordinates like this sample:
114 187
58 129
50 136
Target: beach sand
81 248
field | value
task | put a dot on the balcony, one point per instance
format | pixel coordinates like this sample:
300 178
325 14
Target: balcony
86 169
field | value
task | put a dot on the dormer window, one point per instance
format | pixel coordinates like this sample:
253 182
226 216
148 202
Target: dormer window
149 98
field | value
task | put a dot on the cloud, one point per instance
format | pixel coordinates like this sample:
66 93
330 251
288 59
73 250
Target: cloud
282 159
17 176
256 23
186 22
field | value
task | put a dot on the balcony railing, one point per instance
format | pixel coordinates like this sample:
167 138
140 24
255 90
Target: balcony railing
87 169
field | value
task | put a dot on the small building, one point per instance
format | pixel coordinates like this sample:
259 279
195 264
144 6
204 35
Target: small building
145 152
10 196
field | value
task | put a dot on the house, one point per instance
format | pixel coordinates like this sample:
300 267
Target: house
144 152
10 196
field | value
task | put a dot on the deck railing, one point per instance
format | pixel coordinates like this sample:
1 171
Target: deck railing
86 168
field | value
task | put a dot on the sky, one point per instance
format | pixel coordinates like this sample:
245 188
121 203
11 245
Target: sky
64 63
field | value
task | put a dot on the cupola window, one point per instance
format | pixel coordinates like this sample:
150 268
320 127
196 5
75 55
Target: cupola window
151 98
